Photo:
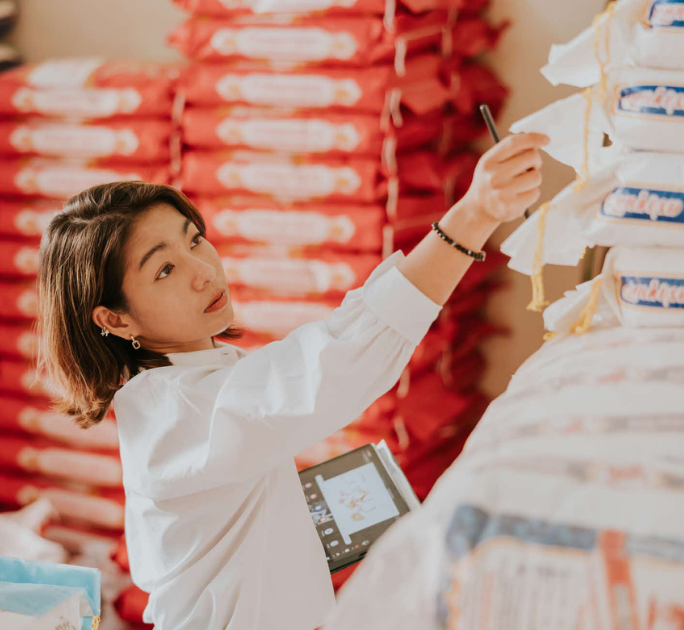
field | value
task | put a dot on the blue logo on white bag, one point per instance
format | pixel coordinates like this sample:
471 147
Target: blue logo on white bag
644 204
653 292
661 100
666 14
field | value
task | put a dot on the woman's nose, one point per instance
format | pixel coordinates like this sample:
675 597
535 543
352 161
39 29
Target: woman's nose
203 274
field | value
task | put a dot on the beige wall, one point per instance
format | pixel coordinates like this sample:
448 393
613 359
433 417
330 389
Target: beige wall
137 28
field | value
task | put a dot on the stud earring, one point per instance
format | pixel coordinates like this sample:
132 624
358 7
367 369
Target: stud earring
136 343
104 332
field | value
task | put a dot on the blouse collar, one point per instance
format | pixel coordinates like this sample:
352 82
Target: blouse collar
222 354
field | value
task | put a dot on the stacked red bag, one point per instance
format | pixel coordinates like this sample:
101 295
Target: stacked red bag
65 125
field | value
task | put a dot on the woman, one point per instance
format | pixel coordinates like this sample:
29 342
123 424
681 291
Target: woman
132 296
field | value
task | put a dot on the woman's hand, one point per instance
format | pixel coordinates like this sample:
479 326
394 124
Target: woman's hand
505 184
507 178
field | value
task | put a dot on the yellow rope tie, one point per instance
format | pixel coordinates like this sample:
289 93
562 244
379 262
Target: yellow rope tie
583 175
603 38
96 623
550 335
538 302
583 324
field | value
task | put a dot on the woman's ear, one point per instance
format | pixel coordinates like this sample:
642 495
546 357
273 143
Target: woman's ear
116 323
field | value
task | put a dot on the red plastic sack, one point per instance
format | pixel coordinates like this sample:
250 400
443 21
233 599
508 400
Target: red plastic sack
322 274
18 341
35 418
307 178
18 260
295 131
36 457
86 103
350 227
120 555
99 508
26 218
473 36
229 8
131 141
20 378
473 84
421 90
131 604
304 40
18 300
89 72
61 179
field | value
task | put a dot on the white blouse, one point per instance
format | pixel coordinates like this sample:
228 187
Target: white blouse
217 525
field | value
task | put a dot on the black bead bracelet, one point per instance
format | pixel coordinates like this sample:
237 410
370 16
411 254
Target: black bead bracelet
479 256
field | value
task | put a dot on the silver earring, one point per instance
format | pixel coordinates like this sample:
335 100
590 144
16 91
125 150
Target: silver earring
104 332
136 343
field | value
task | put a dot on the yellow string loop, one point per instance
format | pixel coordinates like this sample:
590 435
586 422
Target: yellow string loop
583 175
538 303
583 324
96 623
550 335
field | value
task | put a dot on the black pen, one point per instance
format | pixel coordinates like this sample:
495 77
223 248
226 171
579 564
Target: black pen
489 121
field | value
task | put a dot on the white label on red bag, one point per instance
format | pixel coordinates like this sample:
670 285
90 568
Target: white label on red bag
65 73
65 103
74 140
32 222
63 180
286 6
297 136
288 275
288 180
291 44
26 260
288 90
287 228
27 344
27 303
280 318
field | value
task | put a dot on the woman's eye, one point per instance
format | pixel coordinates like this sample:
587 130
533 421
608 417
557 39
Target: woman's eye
166 270
198 238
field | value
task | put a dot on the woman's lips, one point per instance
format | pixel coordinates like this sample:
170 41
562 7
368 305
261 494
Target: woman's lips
218 303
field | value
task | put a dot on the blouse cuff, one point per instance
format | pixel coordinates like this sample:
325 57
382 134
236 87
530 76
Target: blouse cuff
398 302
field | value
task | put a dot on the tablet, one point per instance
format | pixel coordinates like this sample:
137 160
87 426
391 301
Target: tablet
353 499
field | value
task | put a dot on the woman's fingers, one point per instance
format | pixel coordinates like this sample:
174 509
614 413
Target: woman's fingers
529 198
514 166
526 182
516 144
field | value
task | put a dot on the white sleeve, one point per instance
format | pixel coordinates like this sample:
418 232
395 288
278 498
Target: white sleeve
290 394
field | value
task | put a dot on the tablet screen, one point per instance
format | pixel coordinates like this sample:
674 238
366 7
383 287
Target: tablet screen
352 501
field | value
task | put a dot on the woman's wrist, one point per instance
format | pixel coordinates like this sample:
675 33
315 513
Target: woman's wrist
468 224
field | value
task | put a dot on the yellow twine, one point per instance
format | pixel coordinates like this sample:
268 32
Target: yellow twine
549 336
583 324
96 623
538 302
599 38
583 175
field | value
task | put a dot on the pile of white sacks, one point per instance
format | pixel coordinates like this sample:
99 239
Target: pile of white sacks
566 508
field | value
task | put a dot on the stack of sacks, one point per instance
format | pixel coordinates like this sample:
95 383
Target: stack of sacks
64 126
628 196
566 504
316 141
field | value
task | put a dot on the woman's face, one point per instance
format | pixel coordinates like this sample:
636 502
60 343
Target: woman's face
174 284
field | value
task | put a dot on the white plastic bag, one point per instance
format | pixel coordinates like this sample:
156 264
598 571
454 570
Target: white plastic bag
643 110
637 200
646 33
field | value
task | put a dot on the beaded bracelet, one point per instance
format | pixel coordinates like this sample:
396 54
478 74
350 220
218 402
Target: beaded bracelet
479 256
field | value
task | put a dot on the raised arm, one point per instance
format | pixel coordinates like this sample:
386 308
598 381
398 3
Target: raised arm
505 184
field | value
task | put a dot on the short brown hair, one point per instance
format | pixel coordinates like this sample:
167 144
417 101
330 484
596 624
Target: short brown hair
81 267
